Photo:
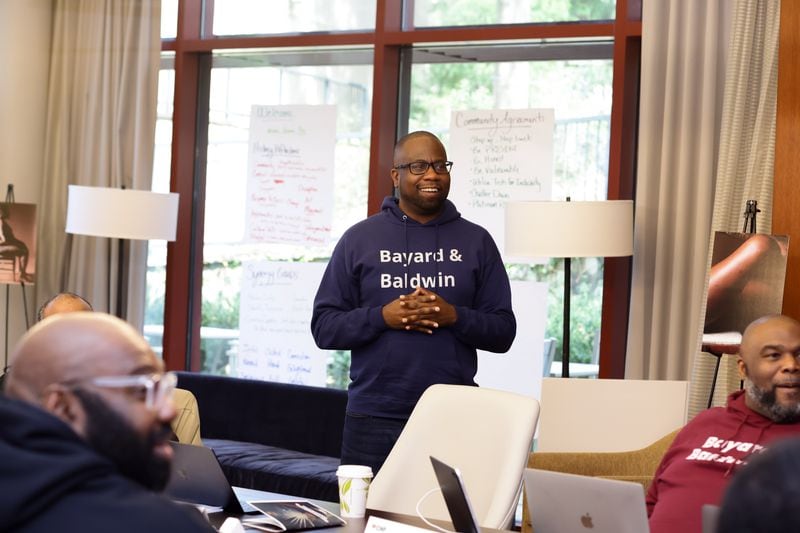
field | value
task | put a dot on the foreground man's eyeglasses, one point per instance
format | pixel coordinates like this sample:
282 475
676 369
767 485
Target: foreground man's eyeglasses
157 388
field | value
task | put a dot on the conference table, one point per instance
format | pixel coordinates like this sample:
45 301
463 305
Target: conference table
354 525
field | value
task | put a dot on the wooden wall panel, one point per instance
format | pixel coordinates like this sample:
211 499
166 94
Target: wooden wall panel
786 206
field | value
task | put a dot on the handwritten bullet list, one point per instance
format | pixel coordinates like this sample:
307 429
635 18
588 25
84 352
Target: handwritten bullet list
499 155
290 174
274 323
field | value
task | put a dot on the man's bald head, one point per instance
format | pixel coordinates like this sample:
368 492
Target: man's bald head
63 302
769 364
401 142
763 331
72 347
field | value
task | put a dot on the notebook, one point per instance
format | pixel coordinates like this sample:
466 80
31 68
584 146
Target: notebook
565 503
290 515
455 497
197 477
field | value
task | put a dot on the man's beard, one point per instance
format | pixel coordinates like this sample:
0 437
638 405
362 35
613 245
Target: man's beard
768 400
427 206
113 437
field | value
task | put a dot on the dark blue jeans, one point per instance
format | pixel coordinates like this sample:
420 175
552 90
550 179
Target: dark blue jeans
367 440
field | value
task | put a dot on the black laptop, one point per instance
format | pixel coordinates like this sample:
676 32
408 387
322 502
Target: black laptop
455 497
197 478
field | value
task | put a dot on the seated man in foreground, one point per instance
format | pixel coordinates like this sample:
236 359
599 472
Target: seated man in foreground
708 450
84 432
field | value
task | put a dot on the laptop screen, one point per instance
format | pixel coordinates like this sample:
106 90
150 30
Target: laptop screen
197 477
564 503
455 497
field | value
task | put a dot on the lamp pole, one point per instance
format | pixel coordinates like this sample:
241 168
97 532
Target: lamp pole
565 333
122 279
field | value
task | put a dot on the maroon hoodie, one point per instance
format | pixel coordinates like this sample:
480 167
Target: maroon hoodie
700 462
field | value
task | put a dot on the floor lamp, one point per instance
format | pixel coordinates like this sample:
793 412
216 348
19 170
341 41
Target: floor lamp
122 214
568 229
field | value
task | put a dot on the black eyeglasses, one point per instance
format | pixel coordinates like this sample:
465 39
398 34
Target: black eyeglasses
421 167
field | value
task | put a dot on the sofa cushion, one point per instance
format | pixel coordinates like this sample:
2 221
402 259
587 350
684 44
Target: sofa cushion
262 467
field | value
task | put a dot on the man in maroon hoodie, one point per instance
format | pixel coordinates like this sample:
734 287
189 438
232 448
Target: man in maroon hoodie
708 450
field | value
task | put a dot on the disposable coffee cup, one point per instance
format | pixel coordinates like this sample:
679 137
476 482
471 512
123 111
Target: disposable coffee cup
354 483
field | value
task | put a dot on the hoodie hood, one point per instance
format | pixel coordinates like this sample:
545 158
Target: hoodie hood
747 418
41 459
737 408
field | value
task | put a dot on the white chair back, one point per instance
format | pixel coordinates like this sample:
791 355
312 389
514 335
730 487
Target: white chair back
608 415
485 433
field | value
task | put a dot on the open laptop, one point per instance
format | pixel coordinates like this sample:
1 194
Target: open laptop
455 497
197 477
566 503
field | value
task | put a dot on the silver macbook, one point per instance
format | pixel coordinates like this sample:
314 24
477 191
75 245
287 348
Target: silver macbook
197 477
566 503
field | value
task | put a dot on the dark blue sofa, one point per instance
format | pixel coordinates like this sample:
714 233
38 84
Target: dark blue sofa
272 436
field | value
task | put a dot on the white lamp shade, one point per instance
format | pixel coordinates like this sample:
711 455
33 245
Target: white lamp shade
569 229
121 213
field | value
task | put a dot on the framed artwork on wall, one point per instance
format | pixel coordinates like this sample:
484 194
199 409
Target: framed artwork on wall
17 243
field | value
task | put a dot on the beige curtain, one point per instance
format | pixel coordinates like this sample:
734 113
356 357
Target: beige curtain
746 155
101 115
683 49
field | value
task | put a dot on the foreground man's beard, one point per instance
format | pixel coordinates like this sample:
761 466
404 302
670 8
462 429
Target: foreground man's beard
111 436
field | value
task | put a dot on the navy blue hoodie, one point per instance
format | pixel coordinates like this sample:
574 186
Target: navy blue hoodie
390 254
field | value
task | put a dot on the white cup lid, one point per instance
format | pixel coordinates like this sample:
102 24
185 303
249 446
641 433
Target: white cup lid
359 471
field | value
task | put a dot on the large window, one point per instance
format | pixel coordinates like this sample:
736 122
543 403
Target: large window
157 250
450 55
579 92
237 84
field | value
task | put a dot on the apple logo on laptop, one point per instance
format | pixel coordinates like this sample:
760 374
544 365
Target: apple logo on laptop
586 521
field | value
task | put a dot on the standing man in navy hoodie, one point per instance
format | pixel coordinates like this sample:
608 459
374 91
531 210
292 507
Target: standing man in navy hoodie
413 292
